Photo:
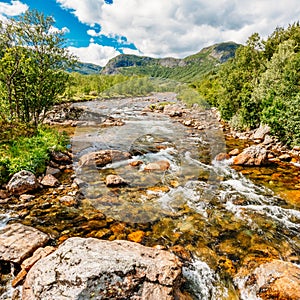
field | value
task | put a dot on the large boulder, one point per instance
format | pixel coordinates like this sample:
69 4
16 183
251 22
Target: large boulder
272 280
102 157
18 242
22 182
261 132
98 269
252 156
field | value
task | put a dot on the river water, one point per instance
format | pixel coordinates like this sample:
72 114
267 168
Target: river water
202 208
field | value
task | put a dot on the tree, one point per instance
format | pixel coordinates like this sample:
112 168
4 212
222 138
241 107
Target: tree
32 66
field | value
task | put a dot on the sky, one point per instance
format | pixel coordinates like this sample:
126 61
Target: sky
97 30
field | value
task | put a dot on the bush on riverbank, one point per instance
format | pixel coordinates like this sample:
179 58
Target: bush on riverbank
29 152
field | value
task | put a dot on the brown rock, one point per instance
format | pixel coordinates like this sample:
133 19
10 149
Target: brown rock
53 171
26 197
115 180
22 182
4 194
112 270
18 241
234 152
37 255
296 148
252 156
50 181
160 165
222 156
102 158
68 200
136 163
272 280
19 278
61 157
285 157
136 236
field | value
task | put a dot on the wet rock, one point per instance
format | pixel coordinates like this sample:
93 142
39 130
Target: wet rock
222 156
160 165
26 197
252 156
114 180
22 182
136 163
136 236
112 122
260 133
234 152
102 157
18 242
53 171
4 194
79 182
60 157
272 280
68 200
82 268
50 181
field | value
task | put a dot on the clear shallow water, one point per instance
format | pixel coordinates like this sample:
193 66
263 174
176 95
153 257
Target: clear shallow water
220 216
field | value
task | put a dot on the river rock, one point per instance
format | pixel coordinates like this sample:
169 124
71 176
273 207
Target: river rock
272 280
160 165
91 268
252 156
50 181
53 171
61 157
22 182
102 157
260 133
18 242
114 180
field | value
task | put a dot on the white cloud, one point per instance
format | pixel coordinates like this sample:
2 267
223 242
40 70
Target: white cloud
12 9
94 53
181 27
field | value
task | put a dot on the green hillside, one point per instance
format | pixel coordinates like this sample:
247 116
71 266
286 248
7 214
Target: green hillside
188 69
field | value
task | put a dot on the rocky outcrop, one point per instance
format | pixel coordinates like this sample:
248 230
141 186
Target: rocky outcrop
22 182
102 157
91 268
272 280
18 242
252 156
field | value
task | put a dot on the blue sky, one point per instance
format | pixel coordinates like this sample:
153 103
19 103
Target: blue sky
97 30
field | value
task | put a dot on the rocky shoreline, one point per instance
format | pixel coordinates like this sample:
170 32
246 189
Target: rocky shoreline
125 269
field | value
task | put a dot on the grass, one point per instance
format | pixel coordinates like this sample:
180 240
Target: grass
29 152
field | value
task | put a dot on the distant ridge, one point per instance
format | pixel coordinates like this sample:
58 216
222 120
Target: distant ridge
187 69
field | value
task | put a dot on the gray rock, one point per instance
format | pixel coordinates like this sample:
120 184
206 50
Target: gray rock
252 156
18 242
260 133
98 269
22 182
50 181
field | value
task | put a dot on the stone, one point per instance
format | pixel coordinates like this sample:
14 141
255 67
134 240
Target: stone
50 181
268 140
4 194
260 133
53 171
68 200
296 148
26 197
272 280
136 236
160 165
37 255
86 268
79 182
112 122
285 157
222 156
102 157
114 180
136 163
252 156
19 278
234 152
22 182
60 157
18 242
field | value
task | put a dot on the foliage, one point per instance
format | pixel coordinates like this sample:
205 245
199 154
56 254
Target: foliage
32 62
261 84
29 152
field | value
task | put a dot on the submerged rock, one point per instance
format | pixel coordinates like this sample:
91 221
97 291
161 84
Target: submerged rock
114 180
22 182
18 242
252 156
102 157
160 165
91 268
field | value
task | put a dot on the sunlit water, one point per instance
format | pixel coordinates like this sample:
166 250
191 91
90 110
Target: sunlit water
217 214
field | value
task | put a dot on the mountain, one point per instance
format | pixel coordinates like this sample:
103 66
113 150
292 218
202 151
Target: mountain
87 68
190 68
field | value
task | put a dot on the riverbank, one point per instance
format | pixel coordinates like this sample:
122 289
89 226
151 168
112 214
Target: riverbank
192 204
